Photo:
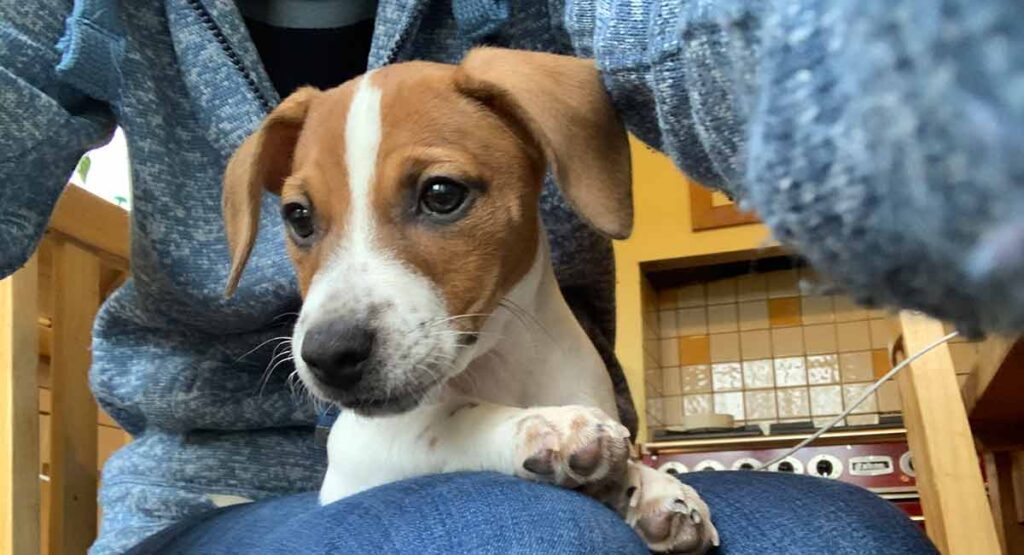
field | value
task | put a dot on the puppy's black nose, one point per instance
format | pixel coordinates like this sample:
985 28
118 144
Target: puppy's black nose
336 352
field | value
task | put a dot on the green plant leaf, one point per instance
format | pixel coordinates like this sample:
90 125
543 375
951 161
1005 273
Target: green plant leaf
83 167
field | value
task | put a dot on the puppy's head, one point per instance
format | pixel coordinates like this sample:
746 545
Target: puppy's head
410 198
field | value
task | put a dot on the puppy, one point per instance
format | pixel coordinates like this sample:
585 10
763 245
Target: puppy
431 312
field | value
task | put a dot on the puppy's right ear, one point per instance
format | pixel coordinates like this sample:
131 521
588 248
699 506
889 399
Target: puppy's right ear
262 163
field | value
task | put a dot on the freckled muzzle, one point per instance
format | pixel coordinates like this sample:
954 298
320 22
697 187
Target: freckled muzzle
345 363
385 362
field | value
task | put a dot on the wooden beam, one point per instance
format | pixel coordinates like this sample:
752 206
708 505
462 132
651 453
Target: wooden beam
956 509
94 224
73 473
19 419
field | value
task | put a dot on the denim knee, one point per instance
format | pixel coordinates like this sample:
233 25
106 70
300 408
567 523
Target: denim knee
767 512
480 512
452 513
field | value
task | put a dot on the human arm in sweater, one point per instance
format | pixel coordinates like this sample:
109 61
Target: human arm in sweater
883 141
46 124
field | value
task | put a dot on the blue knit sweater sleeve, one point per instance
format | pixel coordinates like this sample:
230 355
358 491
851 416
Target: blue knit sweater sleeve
882 140
45 124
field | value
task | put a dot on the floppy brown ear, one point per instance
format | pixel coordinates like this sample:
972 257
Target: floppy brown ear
563 105
262 163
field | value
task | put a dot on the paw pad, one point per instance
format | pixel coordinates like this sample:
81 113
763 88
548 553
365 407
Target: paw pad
542 463
586 459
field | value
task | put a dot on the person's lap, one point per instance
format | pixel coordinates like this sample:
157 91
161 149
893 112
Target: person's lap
755 513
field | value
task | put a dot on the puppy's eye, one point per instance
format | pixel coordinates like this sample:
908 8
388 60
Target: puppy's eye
443 196
299 218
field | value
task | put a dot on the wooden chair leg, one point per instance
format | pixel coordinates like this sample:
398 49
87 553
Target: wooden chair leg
1005 495
73 474
19 413
956 510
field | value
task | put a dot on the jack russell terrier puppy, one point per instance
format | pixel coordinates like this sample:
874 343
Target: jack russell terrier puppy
431 311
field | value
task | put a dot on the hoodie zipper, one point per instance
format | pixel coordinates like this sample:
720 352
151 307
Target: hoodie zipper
236 60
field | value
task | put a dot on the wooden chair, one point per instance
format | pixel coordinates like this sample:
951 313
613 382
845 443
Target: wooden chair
946 427
46 313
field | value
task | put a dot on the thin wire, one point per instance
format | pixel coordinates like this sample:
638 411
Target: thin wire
874 387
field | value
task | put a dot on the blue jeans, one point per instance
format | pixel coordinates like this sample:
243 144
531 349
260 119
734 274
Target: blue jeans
755 512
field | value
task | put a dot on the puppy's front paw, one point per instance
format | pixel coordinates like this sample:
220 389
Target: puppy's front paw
666 513
570 446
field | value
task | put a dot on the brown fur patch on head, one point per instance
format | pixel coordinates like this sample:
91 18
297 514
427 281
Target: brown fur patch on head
431 130
428 129
319 176
494 123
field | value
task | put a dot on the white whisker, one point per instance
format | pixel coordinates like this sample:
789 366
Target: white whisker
282 339
271 373
285 315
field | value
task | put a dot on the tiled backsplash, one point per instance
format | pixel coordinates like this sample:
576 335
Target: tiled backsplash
652 359
756 348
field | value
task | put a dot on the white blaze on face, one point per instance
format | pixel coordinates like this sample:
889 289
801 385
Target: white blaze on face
362 141
364 282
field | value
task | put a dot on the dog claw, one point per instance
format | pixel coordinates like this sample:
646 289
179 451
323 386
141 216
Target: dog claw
695 516
682 506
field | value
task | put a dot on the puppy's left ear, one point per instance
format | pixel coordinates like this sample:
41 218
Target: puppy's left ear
562 104
262 163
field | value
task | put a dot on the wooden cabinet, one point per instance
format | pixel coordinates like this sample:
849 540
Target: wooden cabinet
714 210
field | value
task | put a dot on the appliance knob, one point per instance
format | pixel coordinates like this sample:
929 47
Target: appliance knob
708 465
789 465
907 464
746 463
674 468
824 468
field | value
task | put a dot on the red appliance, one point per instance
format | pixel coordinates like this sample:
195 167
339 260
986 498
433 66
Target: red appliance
885 468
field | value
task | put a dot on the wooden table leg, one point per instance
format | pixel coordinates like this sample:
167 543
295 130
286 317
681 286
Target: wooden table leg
73 474
19 413
956 510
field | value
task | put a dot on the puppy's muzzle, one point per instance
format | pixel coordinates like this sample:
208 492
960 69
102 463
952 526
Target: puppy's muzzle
338 352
